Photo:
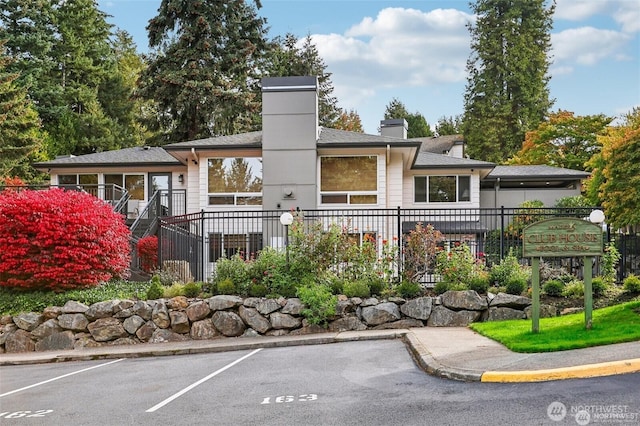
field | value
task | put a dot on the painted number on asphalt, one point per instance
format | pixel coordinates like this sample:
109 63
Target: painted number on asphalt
18 414
290 398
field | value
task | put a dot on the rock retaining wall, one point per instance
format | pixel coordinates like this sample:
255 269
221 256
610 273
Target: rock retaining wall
123 322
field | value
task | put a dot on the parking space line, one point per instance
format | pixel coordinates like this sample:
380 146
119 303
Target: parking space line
199 382
58 378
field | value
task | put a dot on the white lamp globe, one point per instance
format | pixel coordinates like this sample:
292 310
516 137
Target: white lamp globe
596 216
286 219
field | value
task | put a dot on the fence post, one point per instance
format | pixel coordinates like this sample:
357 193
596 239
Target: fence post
159 244
400 243
202 247
501 232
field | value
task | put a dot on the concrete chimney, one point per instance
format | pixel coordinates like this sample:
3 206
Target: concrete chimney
396 128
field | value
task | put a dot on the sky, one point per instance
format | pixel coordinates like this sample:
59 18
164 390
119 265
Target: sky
416 51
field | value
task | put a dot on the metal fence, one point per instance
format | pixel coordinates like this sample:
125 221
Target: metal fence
192 243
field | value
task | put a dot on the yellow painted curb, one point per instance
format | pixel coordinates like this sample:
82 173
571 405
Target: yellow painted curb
578 372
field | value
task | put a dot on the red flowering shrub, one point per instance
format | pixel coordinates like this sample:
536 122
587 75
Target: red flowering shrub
148 253
58 240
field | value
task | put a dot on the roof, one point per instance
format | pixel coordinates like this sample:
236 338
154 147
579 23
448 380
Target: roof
447 227
342 138
431 160
439 144
240 140
148 156
535 171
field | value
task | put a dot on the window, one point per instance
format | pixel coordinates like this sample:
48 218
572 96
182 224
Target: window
90 179
221 245
442 189
132 183
235 181
349 180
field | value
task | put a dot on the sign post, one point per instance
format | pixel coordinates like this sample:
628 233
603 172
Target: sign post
561 237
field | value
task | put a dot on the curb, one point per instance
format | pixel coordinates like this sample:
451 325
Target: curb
577 372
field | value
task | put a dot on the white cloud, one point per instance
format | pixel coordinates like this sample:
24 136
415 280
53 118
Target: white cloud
397 48
625 12
586 45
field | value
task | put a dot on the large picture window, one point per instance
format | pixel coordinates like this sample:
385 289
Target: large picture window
235 181
349 180
442 189
132 183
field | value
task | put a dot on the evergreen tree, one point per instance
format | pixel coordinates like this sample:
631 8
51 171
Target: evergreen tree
203 70
20 134
449 126
289 58
418 126
507 85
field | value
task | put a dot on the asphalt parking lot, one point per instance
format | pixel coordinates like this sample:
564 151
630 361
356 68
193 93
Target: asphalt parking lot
352 383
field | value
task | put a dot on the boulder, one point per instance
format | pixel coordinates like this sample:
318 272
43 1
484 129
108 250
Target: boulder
101 310
47 328
466 300
346 324
142 309
160 315
504 313
28 321
51 312
228 323
198 310
203 330
369 301
19 341
63 340
546 311
133 324
178 302
265 307
179 322
106 329
505 300
294 306
223 302
284 321
443 317
162 335
73 322
253 319
380 313
419 308
145 332
345 307
73 307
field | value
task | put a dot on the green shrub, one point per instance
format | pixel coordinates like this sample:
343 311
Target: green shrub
409 289
574 289
234 269
441 287
258 290
632 284
192 289
377 286
226 286
336 285
599 286
174 290
320 304
356 289
516 284
156 290
553 288
479 282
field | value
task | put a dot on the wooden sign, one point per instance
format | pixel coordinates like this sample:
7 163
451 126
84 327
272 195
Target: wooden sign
562 237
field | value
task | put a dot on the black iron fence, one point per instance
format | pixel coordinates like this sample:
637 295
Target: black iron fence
192 243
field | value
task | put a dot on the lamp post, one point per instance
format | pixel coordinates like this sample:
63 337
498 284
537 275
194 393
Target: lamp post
286 219
596 217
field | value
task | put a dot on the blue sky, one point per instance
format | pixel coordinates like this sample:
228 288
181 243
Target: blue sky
416 51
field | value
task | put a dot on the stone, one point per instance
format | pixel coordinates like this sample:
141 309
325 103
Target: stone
51 312
284 321
397 300
569 311
162 335
345 307
28 321
124 341
251 302
223 302
160 315
228 323
253 319
505 300
198 310
346 324
73 322
179 322
178 302
293 306
308 329
356 301
277 333
121 305
419 308
6 319
380 313
86 342
403 323
73 307
203 330
133 324
101 310
443 317
546 311
467 300
63 340
504 313
47 328
105 329
19 341
145 332
370 301
142 309
250 332
265 307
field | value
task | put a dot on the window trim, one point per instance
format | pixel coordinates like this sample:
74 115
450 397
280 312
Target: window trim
235 196
348 195
428 184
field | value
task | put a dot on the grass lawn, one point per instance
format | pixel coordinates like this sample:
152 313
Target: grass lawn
614 324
